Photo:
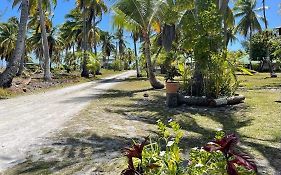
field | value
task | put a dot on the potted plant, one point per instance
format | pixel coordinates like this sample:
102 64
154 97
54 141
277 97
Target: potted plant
172 86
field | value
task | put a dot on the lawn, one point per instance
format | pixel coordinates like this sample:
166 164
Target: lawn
92 141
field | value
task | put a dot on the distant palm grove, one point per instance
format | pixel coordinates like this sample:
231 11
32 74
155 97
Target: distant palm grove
191 36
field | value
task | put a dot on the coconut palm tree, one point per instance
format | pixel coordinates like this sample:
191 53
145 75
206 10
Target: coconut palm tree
119 21
10 72
119 36
249 22
142 13
107 46
8 38
39 5
94 10
228 20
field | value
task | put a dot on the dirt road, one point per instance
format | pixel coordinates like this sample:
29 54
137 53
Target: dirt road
26 120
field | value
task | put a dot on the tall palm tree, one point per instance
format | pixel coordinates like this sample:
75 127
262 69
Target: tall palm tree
10 72
119 36
119 20
135 37
47 69
228 19
94 12
40 4
272 74
142 13
107 46
91 10
249 22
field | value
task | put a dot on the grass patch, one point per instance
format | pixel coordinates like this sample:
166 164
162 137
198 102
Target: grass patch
92 141
259 81
4 93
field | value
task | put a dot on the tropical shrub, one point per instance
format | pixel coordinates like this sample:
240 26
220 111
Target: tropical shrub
117 65
163 155
93 64
219 77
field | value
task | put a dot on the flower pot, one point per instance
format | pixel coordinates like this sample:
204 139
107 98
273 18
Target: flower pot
172 87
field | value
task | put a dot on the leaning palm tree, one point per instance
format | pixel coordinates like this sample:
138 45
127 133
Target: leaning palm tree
249 22
7 76
142 13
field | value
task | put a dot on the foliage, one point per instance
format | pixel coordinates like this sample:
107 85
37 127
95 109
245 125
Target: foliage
263 40
117 65
164 156
93 63
219 77
172 72
185 72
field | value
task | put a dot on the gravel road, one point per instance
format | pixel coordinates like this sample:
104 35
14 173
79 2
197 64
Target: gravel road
25 121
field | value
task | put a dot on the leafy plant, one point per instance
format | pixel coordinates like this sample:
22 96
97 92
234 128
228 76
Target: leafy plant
228 147
93 63
117 65
171 74
164 156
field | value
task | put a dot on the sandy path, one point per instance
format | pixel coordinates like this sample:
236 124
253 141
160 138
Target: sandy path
25 120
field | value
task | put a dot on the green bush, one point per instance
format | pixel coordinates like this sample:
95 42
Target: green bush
117 65
93 63
219 77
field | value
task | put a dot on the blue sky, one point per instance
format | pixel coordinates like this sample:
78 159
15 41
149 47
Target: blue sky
63 7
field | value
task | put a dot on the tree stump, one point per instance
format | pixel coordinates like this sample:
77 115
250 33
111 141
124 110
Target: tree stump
172 100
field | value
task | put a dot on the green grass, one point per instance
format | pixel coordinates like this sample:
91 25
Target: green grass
92 141
259 81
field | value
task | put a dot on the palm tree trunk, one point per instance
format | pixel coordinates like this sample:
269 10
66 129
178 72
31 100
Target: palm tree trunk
85 72
156 84
21 64
47 71
94 28
7 76
266 34
250 49
137 59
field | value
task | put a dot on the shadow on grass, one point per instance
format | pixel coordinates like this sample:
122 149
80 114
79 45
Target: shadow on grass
71 151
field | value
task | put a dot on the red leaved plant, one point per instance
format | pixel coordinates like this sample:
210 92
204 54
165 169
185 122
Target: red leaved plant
134 152
227 145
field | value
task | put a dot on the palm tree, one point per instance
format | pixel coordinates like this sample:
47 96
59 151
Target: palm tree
249 22
91 10
39 4
8 38
94 11
228 19
10 72
107 46
47 71
142 13
119 36
136 36
119 20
